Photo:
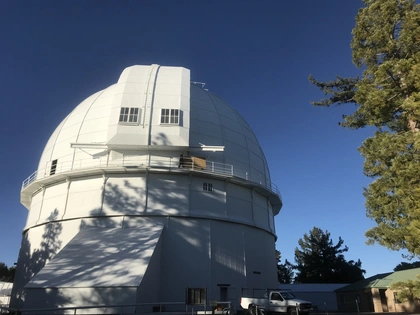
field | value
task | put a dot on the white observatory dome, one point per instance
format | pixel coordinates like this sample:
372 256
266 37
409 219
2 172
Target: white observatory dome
212 122
151 190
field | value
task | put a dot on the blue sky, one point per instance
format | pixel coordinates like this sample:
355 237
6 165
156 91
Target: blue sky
257 55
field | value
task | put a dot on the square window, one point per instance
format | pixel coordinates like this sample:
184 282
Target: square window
169 116
207 186
129 115
196 296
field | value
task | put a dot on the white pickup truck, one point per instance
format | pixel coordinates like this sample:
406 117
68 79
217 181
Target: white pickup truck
275 301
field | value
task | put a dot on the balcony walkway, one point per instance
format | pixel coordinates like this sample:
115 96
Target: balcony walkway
61 171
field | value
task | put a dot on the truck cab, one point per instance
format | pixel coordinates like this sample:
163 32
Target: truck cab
278 302
286 302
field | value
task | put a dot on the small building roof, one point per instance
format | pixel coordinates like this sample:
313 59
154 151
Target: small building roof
5 288
312 287
382 280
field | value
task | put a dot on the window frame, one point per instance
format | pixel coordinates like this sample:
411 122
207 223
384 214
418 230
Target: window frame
53 168
170 116
208 187
127 114
196 296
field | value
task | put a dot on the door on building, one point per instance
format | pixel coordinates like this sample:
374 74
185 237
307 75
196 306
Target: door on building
223 294
384 301
370 301
228 294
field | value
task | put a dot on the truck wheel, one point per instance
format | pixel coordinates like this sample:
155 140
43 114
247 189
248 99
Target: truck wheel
252 310
292 311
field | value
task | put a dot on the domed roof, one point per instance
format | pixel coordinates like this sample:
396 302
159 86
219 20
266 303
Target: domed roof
213 121
206 119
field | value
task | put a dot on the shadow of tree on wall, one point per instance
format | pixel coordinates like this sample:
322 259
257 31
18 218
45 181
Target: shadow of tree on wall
127 200
105 260
132 201
190 235
96 264
111 253
30 262
161 139
119 201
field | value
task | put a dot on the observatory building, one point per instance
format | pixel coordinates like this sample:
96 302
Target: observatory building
153 190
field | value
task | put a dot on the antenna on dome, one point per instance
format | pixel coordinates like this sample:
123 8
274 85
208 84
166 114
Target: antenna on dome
200 84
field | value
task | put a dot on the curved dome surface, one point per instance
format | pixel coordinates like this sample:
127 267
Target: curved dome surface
207 119
214 121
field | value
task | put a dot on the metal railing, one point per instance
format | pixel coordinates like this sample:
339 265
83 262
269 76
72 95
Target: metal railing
178 307
152 163
155 308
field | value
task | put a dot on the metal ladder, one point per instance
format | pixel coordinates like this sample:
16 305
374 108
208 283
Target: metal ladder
147 117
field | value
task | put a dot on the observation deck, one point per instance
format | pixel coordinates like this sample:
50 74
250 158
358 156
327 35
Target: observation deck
152 164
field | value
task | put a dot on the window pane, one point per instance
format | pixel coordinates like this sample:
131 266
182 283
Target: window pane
196 296
123 117
169 116
53 167
134 111
129 114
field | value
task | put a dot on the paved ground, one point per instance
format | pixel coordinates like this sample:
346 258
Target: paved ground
363 313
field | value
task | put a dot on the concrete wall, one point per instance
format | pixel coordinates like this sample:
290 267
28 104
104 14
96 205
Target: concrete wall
73 297
374 300
193 253
144 194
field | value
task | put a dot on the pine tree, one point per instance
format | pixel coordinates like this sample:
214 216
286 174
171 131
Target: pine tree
320 261
284 271
405 265
7 274
386 45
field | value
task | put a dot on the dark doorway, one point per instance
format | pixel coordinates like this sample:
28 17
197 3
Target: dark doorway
370 301
223 294
383 300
